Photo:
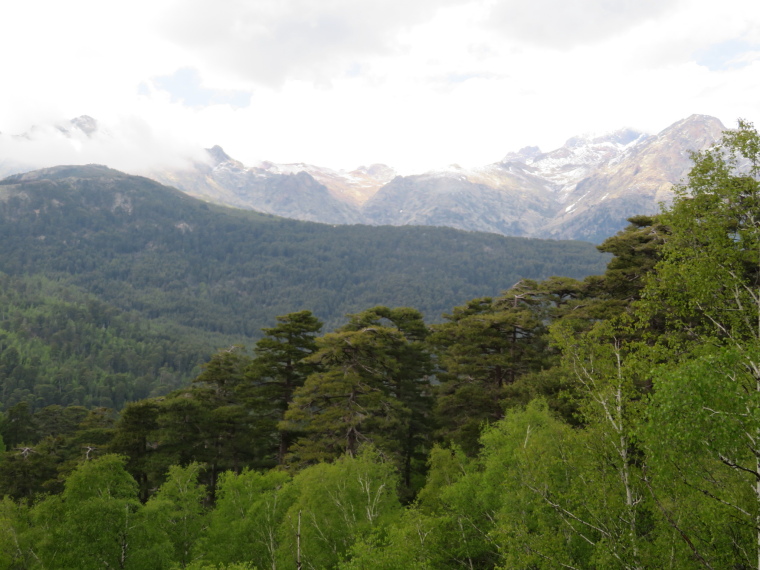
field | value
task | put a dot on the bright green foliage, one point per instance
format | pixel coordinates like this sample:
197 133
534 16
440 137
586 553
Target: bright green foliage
244 524
703 429
479 513
608 376
706 285
15 547
454 514
534 470
702 437
447 466
97 522
177 509
404 544
336 504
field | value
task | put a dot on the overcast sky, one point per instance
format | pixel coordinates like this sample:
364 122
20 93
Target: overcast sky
340 83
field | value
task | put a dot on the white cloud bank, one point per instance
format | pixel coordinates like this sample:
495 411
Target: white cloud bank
130 145
340 83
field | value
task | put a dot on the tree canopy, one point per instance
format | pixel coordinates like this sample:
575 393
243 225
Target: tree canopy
611 422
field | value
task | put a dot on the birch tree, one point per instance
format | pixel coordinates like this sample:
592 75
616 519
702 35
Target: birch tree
704 431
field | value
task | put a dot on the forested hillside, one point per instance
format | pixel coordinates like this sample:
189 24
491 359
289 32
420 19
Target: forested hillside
147 247
609 423
115 288
60 345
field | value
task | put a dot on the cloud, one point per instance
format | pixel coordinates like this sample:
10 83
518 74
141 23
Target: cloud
567 24
271 41
342 82
131 145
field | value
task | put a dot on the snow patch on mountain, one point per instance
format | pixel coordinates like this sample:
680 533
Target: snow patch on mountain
566 166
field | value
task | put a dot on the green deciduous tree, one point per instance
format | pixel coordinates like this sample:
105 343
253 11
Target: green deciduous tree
604 365
97 522
244 524
704 434
706 284
702 442
15 545
336 504
177 509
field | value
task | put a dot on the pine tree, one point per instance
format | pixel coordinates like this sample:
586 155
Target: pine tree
280 367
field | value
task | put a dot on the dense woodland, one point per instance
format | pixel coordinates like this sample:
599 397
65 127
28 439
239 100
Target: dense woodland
114 288
608 422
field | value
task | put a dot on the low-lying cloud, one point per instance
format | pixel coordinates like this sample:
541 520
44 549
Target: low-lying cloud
131 145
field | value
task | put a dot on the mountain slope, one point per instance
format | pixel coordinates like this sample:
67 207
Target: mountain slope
492 200
294 194
152 249
636 182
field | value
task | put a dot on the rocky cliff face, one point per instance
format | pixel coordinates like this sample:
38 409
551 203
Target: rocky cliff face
495 199
584 190
637 181
288 192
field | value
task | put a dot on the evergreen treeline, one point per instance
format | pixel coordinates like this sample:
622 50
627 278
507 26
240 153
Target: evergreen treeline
610 422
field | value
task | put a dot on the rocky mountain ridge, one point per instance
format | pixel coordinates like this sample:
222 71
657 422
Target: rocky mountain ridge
583 190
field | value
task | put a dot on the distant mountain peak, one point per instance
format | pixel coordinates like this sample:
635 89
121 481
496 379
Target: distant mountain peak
218 155
694 124
86 124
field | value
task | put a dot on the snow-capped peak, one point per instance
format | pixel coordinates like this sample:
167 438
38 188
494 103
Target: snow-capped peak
572 162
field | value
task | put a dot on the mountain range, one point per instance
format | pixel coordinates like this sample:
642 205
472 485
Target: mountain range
584 190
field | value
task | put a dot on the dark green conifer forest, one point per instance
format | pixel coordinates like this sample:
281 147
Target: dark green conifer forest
114 288
601 422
